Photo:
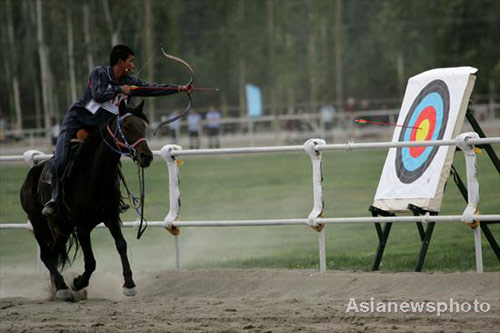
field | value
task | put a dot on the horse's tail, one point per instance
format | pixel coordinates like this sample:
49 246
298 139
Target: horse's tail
63 252
58 238
59 244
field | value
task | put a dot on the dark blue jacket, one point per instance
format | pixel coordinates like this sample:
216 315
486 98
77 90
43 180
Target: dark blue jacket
102 87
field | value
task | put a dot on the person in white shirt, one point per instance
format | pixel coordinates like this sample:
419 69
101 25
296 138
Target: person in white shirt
213 123
326 114
174 127
193 120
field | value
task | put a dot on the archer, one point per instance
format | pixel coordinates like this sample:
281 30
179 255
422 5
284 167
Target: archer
106 87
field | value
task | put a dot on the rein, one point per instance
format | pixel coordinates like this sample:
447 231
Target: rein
131 153
137 204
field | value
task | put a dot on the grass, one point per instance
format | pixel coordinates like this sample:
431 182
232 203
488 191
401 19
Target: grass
265 187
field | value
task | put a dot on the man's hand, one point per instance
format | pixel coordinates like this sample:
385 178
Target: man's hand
187 88
125 89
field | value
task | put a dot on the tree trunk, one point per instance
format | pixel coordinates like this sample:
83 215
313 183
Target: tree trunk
38 108
149 41
242 84
491 99
30 13
114 31
400 68
86 32
18 123
71 57
338 55
44 67
312 58
7 71
271 56
242 65
290 91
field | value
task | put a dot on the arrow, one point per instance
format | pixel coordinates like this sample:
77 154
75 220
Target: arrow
171 88
364 121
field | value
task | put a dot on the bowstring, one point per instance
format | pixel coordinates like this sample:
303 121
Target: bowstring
150 58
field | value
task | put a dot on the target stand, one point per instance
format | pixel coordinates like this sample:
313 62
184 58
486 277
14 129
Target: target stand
426 233
413 179
383 234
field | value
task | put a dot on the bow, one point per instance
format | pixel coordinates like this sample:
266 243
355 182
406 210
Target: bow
191 80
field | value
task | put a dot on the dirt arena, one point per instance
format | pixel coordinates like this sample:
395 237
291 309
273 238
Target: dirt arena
253 301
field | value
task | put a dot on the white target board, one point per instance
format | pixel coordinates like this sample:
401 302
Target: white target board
433 108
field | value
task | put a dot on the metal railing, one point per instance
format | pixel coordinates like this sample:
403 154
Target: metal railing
314 148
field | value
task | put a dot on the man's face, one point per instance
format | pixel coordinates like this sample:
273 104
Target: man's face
129 64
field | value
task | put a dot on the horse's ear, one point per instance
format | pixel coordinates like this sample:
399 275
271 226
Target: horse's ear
122 108
140 107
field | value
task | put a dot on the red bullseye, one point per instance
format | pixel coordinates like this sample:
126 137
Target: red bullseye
424 129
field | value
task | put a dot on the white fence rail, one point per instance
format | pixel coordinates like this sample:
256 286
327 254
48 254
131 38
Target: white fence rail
313 148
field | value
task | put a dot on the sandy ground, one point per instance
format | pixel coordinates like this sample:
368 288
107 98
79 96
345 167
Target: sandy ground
255 301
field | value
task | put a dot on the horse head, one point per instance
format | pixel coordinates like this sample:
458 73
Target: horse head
131 125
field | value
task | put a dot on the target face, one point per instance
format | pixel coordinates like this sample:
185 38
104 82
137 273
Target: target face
426 120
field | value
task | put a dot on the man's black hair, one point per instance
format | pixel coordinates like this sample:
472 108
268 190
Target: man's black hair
120 52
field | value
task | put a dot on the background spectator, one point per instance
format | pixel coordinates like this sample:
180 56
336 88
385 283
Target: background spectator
326 115
194 120
174 127
213 125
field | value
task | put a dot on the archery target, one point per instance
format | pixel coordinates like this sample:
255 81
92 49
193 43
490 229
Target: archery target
433 108
425 121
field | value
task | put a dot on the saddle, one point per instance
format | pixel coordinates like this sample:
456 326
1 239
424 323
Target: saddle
75 147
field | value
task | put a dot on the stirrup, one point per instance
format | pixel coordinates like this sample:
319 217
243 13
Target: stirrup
50 208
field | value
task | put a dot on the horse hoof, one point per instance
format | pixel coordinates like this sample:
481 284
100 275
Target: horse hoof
64 295
129 291
80 295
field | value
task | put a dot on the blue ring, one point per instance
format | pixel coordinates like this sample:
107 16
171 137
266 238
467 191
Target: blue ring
435 100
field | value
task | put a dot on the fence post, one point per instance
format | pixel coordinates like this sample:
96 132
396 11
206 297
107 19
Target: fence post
472 193
29 156
318 203
174 198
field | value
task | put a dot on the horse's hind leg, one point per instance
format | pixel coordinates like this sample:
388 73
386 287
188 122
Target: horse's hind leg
82 281
121 246
49 257
59 247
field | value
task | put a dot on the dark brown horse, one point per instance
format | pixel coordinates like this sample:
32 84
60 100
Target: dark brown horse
91 196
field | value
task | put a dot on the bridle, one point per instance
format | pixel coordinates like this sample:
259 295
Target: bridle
121 141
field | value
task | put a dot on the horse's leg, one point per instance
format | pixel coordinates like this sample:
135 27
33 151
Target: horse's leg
82 281
62 292
121 246
49 258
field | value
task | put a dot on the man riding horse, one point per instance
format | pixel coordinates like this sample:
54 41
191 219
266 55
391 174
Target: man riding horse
107 86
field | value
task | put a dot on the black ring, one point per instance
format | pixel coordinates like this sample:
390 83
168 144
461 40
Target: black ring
438 86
